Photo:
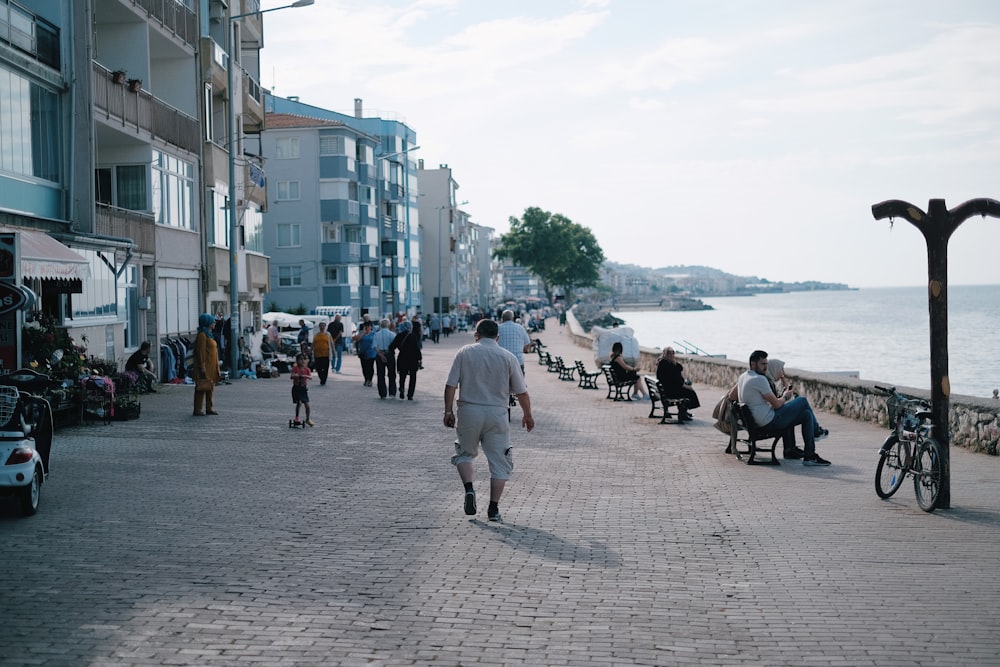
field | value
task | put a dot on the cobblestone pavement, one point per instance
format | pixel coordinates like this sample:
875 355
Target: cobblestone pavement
233 540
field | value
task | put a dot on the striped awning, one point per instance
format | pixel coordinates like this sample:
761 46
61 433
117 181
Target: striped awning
44 257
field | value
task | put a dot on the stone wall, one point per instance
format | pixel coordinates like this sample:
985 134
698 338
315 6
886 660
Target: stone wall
974 422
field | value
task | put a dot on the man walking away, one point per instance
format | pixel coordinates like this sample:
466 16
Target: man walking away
484 375
513 337
385 359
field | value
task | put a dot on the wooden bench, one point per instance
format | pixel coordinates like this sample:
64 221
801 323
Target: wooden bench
544 358
663 404
588 379
565 372
536 345
617 390
745 434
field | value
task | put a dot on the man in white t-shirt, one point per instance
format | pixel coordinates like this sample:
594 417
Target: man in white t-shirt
484 375
778 415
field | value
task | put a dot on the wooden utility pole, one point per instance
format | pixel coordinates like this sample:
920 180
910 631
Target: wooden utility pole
937 226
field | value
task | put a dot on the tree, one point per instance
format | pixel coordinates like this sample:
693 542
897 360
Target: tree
560 252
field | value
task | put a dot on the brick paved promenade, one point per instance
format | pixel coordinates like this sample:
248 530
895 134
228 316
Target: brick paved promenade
233 540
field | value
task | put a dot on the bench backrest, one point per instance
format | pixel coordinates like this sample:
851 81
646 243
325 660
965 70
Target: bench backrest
747 422
653 385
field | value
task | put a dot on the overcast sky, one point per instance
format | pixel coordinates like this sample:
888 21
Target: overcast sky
752 137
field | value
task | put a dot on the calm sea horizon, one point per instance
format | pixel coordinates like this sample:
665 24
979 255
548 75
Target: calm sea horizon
881 333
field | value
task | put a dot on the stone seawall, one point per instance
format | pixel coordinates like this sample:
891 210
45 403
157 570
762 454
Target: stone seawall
974 422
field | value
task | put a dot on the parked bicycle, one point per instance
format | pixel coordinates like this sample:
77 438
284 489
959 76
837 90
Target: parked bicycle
911 449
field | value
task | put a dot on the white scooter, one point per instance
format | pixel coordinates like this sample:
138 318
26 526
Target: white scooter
25 437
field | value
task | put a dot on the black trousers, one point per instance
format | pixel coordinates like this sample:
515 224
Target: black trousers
385 368
322 368
367 369
402 383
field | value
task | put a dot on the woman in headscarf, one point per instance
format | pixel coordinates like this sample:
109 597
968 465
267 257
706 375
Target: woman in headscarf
407 342
206 366
670 374
780 383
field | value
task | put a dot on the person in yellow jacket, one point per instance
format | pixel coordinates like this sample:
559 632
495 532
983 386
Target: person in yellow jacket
322 345
206 366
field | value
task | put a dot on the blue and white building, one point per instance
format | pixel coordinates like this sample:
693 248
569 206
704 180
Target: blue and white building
341 225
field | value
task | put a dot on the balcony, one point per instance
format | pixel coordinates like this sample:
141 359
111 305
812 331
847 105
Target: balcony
142 113
253 105
213 63
125 224
340 253
174 18
255 185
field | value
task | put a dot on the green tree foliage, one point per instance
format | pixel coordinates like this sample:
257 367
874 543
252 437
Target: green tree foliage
560 252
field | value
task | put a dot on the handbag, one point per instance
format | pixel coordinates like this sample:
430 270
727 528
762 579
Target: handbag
204 384
721 414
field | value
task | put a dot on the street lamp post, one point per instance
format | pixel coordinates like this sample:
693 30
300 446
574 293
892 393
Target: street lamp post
234 300
937 225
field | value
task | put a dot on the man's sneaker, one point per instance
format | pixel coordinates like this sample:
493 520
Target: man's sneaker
470 502
815 460
821 433
496 518
310 422
794 453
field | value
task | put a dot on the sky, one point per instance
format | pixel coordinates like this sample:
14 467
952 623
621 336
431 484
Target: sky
749 136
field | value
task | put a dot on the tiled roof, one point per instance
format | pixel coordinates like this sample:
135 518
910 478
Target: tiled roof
277 121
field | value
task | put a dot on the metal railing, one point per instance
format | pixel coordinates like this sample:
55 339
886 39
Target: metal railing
125 224
140 111
174 16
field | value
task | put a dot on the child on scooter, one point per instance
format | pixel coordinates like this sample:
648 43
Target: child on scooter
300 390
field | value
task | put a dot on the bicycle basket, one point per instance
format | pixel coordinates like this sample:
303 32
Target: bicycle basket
9 398
896 406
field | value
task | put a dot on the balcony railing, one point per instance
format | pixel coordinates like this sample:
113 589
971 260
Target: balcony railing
140 111
174 17
125 224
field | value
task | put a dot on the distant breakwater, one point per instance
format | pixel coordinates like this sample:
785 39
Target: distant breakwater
974 422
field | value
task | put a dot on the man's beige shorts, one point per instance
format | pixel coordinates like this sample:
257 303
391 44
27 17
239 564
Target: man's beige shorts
489 426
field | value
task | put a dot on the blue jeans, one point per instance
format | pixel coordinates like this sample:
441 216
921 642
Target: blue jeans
794 412
338 356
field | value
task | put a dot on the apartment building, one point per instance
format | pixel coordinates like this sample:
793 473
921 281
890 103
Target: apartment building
442 220
342 221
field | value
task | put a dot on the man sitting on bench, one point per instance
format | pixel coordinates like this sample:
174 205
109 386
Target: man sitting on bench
778 415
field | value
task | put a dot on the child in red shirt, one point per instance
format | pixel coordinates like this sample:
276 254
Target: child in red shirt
300 390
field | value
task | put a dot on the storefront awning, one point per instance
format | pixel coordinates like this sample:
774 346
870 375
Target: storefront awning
44 257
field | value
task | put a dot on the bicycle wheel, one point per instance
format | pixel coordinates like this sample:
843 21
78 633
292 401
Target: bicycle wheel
927 474
891 468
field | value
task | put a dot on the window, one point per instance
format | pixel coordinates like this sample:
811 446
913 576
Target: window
217 215
207 116
178 298
288 191
130 187
331 145
289 276
331 275
352 235
329 189
253 229
289 235
286 148
30 139
172 183
100 292
330 233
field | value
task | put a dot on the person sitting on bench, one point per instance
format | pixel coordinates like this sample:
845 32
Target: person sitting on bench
670 375
622 372
778 415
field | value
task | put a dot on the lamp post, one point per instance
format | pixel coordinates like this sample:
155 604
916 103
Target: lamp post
378 207
234 283
937 225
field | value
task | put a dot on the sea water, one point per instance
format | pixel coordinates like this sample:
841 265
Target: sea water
882 334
